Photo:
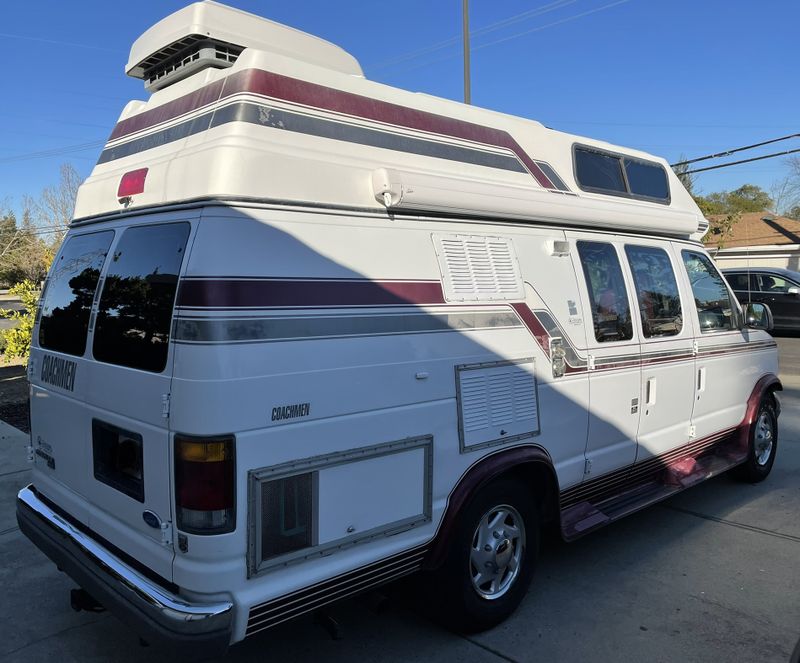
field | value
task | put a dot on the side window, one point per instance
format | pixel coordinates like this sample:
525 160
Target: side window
609 297
656 291
772 283
70 291
737 281
714 306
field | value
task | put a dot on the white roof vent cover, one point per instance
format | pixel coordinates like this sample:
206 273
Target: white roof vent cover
478 268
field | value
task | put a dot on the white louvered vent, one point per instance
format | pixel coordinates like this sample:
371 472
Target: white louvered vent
478 268
497 403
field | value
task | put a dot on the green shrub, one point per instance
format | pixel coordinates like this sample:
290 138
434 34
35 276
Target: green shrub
17 340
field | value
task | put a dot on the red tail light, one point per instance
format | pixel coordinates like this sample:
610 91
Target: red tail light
205 484
132 183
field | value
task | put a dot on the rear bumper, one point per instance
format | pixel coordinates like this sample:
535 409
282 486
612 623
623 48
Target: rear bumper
155 613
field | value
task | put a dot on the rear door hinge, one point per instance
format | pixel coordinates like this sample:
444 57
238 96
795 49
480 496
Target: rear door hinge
694 347
165 398
692 432
587 467
166 533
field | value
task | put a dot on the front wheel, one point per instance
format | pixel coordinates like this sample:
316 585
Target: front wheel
492 558
763 444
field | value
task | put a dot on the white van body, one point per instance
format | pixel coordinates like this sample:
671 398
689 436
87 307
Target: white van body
384 302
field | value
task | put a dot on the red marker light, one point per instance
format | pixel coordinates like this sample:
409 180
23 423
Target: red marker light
132 183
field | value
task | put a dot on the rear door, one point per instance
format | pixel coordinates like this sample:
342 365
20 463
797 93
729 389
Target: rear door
115 434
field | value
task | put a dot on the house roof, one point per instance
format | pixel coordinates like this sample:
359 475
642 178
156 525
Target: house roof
758 229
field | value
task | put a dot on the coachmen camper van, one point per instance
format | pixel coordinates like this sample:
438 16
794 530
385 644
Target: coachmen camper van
308 334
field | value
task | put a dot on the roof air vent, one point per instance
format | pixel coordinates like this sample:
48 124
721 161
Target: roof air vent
182 59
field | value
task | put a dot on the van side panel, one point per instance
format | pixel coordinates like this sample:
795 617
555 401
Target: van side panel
305 354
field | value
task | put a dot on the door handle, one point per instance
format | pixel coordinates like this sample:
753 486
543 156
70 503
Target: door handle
651 391
701 381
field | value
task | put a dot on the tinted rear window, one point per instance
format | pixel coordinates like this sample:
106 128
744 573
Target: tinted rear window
135 310
70 291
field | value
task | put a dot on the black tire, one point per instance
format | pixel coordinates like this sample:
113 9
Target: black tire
763 444
459 603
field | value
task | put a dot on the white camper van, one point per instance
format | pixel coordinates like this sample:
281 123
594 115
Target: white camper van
309 333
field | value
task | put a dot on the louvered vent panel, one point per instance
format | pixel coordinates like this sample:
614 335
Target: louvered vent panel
497 403
478 268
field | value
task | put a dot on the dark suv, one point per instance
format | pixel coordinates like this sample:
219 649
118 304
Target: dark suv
777 288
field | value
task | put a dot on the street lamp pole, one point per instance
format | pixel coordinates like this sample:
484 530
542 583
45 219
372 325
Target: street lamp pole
465 13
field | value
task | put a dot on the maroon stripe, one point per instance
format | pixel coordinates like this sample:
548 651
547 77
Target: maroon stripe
534 326
172 109
268 293
273 85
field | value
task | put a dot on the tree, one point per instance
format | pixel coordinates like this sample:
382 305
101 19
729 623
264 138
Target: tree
747 198
683 175
53 209
24 251
17 340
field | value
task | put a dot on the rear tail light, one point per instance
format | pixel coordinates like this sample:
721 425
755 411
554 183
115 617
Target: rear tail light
205 484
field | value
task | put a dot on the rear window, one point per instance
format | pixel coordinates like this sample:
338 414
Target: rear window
70 291
135 310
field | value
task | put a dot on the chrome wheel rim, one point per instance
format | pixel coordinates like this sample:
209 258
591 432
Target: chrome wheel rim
763 441
496 554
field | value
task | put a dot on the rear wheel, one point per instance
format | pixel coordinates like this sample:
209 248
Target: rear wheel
763 444
491 560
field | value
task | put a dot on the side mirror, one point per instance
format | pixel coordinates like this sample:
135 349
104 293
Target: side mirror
793 291
758 316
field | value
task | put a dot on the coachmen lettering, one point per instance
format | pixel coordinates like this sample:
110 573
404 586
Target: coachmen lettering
291 411
59 372
460 293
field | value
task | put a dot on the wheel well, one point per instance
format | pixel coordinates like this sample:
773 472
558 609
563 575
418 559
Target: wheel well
539 479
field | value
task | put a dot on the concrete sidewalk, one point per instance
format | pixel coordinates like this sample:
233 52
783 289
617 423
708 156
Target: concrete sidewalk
15 471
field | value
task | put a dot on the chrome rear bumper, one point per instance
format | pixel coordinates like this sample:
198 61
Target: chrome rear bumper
154 612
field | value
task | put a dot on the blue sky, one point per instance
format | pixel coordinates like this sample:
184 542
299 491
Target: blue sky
671 77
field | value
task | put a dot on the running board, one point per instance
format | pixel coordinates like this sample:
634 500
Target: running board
670 479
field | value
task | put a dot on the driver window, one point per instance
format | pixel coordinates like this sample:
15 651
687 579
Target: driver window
711 296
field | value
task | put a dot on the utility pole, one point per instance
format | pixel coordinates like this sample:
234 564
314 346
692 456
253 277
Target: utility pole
465 13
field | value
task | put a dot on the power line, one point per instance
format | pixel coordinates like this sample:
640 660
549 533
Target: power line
553 24
519 34
733 151
412 55
736 163
58 151
93 47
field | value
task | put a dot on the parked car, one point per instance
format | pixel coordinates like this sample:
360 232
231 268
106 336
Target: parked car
777 288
